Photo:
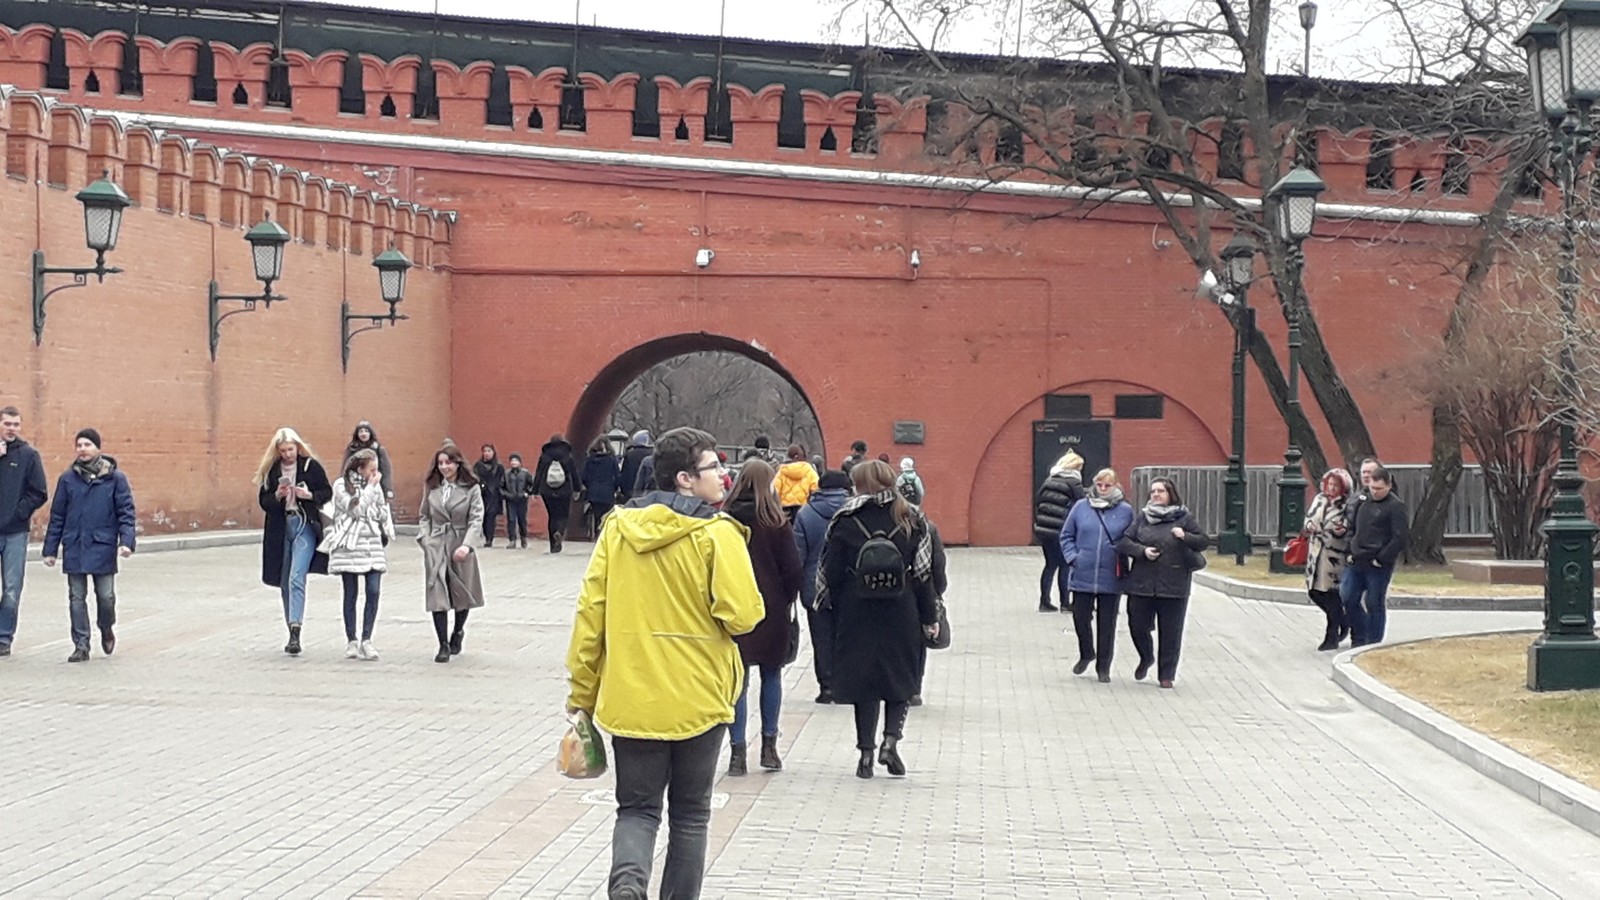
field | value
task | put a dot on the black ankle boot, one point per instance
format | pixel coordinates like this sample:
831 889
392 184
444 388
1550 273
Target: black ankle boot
769 753
456 638
864 767
293 647
737 764
889 756
443 654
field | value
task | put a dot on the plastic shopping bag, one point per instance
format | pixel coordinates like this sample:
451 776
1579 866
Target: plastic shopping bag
581 754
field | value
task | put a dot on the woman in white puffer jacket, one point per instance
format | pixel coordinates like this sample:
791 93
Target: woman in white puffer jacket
361 528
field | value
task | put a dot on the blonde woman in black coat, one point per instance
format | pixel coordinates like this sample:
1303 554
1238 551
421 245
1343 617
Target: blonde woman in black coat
1165 542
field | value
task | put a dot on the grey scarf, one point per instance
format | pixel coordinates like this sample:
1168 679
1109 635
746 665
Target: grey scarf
1156 514
1107 501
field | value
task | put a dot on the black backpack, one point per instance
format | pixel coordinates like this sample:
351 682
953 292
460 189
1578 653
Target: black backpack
880 570
907 486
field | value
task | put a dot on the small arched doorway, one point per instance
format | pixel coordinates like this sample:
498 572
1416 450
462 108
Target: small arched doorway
591 416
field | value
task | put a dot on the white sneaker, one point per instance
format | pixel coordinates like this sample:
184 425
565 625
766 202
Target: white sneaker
352 650
368 651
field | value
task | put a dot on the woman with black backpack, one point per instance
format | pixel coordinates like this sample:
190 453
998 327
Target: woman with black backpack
876 574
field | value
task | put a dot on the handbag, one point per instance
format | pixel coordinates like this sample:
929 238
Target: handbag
942 640
793 653
1297 551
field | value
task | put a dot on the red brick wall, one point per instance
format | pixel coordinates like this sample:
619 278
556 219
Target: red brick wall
130 357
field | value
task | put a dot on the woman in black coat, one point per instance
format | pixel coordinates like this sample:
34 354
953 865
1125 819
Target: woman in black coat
556 487
1166 543
778 572
292 487
491 475
1060 490
876 574
601 472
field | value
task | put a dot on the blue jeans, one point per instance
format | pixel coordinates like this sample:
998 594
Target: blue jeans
771 702
373 581
299 545
13 553
1372 583
105 602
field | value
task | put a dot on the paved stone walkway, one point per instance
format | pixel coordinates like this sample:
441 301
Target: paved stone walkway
200 761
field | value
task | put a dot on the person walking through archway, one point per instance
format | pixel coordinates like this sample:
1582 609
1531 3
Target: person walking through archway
638 451
292 487
1060 490
810 532
876 574
362 527
1099 571
779 569
556 480
491 478
795 481
451 512
1166 544
92 524
602 472
1327 530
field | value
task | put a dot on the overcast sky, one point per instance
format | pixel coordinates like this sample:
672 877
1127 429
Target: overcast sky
1345 39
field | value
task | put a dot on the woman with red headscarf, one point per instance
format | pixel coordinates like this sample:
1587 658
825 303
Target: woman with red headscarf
1328 528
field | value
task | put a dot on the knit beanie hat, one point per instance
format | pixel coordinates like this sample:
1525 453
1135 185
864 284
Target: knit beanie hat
91 434
834 480
906 465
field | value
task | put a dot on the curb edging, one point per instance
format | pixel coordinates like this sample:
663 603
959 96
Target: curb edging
1577 803
1250 591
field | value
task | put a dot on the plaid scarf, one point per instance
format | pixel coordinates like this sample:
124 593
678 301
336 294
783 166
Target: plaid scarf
922 559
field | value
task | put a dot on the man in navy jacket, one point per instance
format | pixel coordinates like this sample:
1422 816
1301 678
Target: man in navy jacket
22 492
92 515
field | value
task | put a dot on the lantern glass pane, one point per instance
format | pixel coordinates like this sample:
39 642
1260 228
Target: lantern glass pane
1240 268
100 231
1547 81
268 259
1302 215
390 284
1584 59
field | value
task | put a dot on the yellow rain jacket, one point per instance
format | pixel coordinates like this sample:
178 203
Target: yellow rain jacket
652 653
795 482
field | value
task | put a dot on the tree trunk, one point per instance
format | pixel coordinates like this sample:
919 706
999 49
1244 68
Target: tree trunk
1426 544
1333 396
1305 436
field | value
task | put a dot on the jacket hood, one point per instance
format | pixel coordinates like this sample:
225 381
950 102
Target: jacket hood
660 518
640 439
828 500
794 470
556 447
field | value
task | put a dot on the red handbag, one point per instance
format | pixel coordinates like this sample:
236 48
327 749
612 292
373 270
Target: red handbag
1297 551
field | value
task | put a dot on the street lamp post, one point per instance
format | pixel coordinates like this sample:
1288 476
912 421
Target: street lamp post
1563 47
1308 21
267 241
1238 269
103 203
392 266
1294 211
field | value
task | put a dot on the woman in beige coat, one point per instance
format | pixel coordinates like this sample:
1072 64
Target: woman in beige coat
452 509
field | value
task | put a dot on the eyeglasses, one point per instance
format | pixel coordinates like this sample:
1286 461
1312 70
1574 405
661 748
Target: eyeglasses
714 467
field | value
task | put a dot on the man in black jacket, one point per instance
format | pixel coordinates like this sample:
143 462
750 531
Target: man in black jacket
22 492
1378 539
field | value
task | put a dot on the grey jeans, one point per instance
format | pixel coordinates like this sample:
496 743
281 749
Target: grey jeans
684 771
105 601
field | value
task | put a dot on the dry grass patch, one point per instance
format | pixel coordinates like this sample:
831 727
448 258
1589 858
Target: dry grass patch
1481 682
1420 581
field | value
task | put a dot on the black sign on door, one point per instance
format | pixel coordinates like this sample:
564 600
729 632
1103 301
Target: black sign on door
1091 439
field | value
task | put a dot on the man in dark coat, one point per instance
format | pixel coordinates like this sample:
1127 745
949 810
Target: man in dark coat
92 515
810 528
1378 537
491 479
516 487
557 480
22 492
638 451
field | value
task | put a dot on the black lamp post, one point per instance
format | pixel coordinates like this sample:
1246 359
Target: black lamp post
1238 269
1294 212
267 241
103 203
1308 21
1563 47
392 266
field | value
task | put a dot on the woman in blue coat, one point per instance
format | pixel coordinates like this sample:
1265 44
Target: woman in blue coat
1089 547
92 514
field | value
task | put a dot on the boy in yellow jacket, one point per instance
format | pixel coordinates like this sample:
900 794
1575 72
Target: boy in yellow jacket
652 657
